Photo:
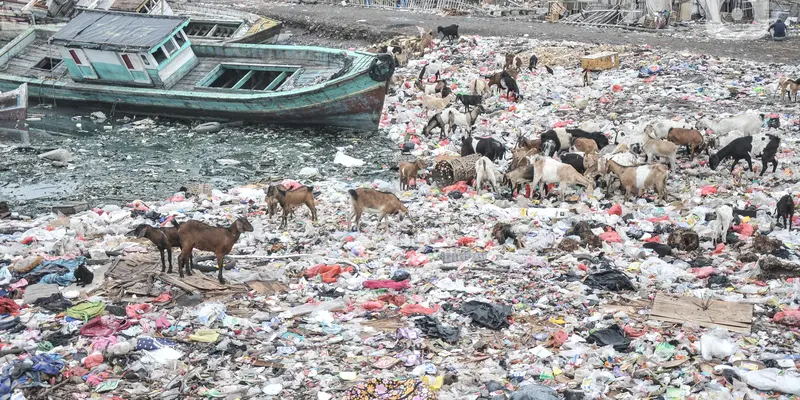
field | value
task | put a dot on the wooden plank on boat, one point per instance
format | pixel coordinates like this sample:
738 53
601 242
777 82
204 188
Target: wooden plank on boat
736 317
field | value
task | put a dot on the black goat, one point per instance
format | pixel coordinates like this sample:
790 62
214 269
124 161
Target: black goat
165 238
469 100
575 160
490 148
448 31
532 62
746 148
508 83
785 210
598 137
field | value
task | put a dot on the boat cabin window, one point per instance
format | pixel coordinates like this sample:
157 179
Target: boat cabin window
160 55
169 46
75 57
179 39
127 60
145 59
48 63
248 77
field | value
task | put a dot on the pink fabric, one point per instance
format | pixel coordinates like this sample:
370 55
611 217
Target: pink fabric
101 343
386 284
103 326
290 184
135 311
704 272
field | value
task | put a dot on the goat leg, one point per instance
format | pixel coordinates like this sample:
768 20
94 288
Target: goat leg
774 165
163 266
169 254
181 263
735 161
219 266
749 162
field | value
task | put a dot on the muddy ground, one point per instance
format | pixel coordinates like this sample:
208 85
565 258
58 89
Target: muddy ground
359 24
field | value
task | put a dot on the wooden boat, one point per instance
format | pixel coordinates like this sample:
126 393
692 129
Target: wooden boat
14 104
146 64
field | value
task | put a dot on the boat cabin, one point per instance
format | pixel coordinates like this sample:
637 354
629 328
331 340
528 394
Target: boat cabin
126 48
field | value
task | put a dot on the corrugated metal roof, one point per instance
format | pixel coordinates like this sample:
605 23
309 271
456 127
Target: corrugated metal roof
116 30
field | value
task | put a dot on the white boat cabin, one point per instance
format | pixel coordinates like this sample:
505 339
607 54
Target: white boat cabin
129 49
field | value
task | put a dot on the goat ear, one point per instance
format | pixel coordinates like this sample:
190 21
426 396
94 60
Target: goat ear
143 231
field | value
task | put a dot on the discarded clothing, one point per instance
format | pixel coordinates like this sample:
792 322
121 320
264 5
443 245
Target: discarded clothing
386 284
86 311
613 336
55 303
433 328
492 316
8 306
611 280
387 389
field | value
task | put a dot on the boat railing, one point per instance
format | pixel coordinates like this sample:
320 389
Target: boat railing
460 5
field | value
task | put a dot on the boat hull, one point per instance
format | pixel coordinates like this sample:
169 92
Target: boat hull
356 103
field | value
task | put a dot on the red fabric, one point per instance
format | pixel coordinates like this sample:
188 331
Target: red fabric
93 360
329 273
704 272
610 236
654 239
616 88
788 317
103 326
396 299
745 231
409 309
373 305
386 284
720 248
559 338
658 219
616 209
135 311
162 298
708 190
466 241
632 333
8 306
460 186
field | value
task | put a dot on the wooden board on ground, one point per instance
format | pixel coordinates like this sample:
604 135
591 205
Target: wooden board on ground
267 287
600 61
736 317
135 265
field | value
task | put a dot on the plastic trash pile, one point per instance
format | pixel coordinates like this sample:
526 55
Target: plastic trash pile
437 307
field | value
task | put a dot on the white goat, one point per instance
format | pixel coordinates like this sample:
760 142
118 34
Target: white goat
653 147
719 226
720 141
750 124
662 127
486 172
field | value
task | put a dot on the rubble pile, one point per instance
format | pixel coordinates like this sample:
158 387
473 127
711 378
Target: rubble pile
474 296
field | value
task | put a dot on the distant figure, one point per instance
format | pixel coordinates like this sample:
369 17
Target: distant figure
778 30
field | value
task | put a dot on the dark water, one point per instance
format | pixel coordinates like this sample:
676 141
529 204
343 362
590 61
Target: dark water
152 159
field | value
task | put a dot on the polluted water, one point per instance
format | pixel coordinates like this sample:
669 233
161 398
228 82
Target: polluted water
681 291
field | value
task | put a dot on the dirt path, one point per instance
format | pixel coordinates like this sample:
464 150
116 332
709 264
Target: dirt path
359 23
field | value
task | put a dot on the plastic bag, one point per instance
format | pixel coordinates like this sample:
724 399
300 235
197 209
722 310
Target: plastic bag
611 280
716 345
613 336
534 392
773 379
433 328
492 316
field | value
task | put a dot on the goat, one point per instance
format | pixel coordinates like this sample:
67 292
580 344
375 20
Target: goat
84 276
720 226
530 144
220 241
692 139
478 86
448 32
289 200
469 100
719 141
655 148
559 138
408 171
502 232
519 176
467 121
747 148
585 145
575 160
624 159
490 148
374 201
548 170
790 86
641 177
784 209
435 103
512 61
750 124
586 77
165 238
427 42
437 121
519 157
432 88
496 79
532 62
599 137
661 127
485 172
509 83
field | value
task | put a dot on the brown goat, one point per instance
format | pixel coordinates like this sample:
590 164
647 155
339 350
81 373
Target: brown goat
408 171
690 138
197 235
289 200
519 157
529 144
585 145
790 87
497 77
165 238
374 201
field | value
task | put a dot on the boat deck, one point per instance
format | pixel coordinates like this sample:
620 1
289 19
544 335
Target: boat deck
23 64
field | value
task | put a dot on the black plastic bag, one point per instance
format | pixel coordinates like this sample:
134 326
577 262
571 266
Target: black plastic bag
492 316
612 280
433 328
613 336
534 392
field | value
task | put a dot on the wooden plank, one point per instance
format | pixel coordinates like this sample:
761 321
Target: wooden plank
736 317
277 81
243 80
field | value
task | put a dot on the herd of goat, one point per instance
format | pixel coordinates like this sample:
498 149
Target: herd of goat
561 156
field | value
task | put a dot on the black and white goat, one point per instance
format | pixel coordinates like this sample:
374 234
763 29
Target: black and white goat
490 148
746 148
560 139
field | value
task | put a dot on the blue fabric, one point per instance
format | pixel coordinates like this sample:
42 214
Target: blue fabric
59 279
148 343
64 279
19 372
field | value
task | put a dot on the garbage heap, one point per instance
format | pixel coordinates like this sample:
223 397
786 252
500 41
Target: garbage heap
476 296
